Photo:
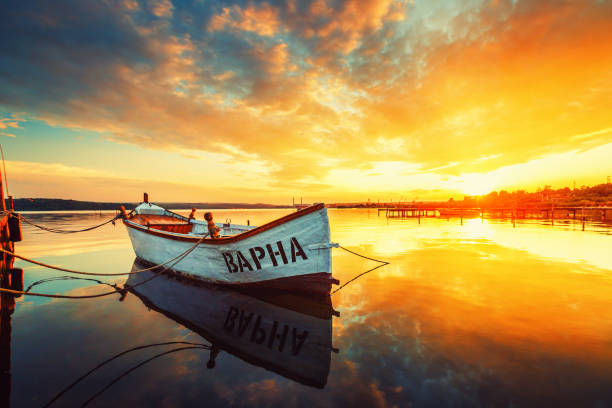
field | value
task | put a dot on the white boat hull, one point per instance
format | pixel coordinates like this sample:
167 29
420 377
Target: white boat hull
297 247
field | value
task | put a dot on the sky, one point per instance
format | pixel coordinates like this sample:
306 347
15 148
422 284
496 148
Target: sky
329 100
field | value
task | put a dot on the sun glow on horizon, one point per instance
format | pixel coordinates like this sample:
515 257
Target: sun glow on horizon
476 184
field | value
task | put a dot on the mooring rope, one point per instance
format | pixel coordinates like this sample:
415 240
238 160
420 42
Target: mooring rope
61 231
363 256
122 291
59 268
57 278
140 365
116 356
358 276
382 263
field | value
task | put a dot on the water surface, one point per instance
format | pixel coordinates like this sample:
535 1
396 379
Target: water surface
479 314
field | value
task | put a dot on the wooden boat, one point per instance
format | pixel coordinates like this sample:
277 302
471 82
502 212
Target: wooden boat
285 333
292 252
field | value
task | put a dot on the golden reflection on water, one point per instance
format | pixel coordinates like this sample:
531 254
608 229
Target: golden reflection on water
486 294
485 311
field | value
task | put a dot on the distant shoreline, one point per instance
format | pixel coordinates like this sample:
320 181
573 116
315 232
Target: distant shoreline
56 204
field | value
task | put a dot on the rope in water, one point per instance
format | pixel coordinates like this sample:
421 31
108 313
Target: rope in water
182 256
140 365
382 263
59 268
58 278
116 356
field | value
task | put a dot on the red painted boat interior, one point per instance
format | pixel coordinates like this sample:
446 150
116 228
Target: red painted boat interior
163 223
178 228
152 219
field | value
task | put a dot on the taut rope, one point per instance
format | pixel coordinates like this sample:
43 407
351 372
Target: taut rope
59 268
382 263
180 258
61 231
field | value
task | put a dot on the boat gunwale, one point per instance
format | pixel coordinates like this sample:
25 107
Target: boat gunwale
224 240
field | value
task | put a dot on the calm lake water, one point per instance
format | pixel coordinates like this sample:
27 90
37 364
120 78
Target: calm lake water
479 314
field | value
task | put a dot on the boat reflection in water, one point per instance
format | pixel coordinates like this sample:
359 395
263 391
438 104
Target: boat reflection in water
288 334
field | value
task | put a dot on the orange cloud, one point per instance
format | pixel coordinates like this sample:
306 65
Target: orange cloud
262 19
274 58
524 88
161 8
338 92
355 20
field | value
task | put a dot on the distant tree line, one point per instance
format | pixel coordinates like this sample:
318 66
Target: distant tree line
56 204
598 195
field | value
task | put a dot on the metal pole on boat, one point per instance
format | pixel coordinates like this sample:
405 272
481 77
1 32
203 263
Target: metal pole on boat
145 197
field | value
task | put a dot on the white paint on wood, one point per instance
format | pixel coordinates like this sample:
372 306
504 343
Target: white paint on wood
207 261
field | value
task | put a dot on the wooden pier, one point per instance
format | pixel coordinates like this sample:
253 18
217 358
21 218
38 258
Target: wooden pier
10 278
552 213
409 212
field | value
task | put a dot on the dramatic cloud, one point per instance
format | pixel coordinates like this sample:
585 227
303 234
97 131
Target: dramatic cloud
316 89
262 20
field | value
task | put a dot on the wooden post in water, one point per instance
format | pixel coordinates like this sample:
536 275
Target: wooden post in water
10 278
552 214
5 238
2 193
7 307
